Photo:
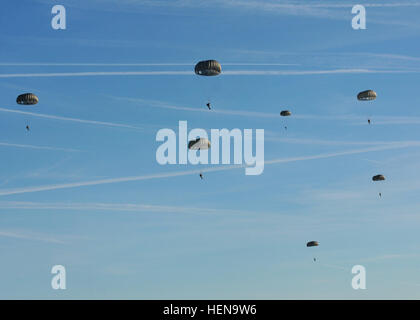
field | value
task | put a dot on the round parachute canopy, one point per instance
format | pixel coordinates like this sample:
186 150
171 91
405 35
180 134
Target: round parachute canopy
378 177
208 68
285 113
199 144
27 99
312 244
366 95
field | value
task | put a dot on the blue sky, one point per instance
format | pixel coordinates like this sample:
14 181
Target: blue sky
83 188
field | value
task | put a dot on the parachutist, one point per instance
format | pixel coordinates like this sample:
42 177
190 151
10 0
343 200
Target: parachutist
208 106
369 121
380 194
27 128
201 176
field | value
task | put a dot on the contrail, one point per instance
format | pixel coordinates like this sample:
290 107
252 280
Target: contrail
397 120
335 142
380 120
26 236
53 64
6 192
334 266
344 153
64 64
128 207
88 74
6 144
47 116
310 72
162 105
321 5
187 73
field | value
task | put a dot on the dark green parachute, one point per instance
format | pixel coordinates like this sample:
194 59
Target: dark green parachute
27 99
285 113
366 95
199 144
378 177
208 68
312 244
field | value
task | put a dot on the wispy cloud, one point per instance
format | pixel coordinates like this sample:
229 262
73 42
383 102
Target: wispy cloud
391 56
5 192
318 4
317 9
53 117
397 120
263 5
390 256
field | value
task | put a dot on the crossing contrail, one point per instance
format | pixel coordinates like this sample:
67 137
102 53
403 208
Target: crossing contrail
47 116
188 73
6 192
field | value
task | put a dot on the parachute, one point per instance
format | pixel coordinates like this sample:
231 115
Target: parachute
285 113
312 244
366 95
208 68
27 99
199 144
378 177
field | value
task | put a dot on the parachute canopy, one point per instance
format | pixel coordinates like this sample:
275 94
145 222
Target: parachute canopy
285 113
312 244
27 99
366 95
208 68
378 177
199 144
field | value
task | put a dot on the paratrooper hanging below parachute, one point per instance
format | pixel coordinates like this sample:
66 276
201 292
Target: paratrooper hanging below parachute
313 244
285 113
